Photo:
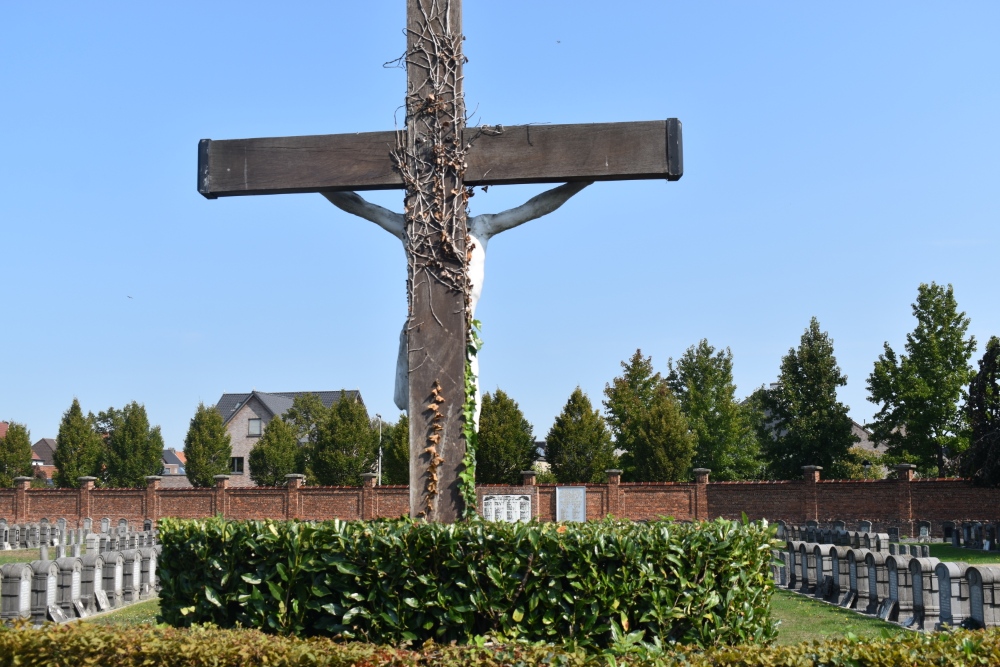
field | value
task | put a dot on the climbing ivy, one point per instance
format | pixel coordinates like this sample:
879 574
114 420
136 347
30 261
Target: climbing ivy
467 477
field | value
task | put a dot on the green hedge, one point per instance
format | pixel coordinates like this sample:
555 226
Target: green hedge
390 581
143 646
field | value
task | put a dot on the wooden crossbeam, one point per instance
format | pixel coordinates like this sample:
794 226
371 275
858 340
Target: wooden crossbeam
499 156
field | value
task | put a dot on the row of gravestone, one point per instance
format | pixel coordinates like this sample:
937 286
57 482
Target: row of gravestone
976 535
880 542
75 587
905 586
44 533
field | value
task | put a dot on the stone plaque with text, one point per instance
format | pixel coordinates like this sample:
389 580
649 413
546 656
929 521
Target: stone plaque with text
507 508
571 503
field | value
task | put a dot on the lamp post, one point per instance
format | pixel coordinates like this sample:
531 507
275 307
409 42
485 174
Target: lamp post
379 418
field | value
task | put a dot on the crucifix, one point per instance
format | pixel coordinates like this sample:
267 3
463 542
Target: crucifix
436 159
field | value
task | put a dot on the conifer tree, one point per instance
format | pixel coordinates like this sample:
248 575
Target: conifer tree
207 447
627 401
78 448
305 416
15 454
275 454
806 424
578 447
346 444
919 392
664 446
981 461
132 449
396 452
702 380
506 443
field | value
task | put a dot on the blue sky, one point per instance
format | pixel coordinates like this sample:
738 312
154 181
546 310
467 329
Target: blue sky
836 156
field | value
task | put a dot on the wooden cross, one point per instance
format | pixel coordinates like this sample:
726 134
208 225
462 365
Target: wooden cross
435 160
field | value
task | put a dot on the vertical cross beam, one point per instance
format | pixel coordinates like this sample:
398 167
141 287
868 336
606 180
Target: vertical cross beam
431 158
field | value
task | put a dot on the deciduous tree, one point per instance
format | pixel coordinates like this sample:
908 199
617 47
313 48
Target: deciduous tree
919 392
346 444
15 454
578 447
132 449
506 443
78 448
207 447
981 461
396 452
275 454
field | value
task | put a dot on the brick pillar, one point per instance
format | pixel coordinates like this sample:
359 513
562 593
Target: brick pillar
293 506
810 508
21 486
221 494
701 493
528 477
369 504
904 475
614 505
86 486
153 498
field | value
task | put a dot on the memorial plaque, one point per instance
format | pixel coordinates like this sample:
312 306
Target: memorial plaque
102 600
571 503
509 509
81 611
56 614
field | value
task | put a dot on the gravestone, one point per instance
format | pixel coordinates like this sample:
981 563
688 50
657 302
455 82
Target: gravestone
131 575
44 588
858 579
882 542
893 534
122 527
147 525
147 581
893 549
807 571
926 604
953 590
105 525
839 525
792 549
87 525
68 585
864 526
91 581
15 591
878 582
840 592
571 503
924 531
824 570
984 582
114 573
61 523
900 588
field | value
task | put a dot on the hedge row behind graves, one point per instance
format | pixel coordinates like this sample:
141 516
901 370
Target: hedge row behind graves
389 581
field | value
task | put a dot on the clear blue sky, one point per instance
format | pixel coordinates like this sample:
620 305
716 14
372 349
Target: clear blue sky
836 156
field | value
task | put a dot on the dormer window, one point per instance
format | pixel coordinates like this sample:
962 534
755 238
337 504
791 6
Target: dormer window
253 428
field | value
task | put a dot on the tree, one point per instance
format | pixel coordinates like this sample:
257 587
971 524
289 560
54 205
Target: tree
132 449
806 424
306 415
981 461
275 454
396 452
206 447
727 444
506 443
919 392
78 448
346 444
578 447
627 402
15 454
664 446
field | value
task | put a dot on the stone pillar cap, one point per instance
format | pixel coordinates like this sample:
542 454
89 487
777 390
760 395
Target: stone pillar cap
221 477
149 478
706 470
612 471
529 472
295 475
23 478
364 475
812 467
905 466
88 478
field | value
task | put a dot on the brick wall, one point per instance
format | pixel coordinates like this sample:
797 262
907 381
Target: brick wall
900 502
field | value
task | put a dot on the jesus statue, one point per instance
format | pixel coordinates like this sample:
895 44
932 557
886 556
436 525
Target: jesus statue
481 229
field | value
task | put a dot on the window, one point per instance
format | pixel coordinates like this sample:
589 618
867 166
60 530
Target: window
236 465
254 427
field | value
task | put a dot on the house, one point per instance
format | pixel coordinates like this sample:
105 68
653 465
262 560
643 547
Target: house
43 458
3 429
247 415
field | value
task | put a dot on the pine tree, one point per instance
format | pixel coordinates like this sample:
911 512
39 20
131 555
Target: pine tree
78 448
275 454
981 461
702 381
207 447
627 402
506 443
806 424
132 450
578 447
346 444
15 454
664 445
919 392
396 452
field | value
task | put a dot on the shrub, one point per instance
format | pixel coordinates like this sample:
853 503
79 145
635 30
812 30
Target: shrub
388 581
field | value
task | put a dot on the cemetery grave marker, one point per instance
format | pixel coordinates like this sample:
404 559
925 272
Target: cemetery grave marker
953 590
983 582
15 590
926 605
878 584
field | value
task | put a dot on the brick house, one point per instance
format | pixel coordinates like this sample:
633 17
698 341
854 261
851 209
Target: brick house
246 416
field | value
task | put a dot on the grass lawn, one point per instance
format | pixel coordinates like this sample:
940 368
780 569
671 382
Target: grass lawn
970 556
133 614
21 555
804 619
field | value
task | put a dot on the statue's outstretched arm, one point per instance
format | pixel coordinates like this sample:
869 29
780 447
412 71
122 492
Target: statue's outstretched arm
354 204
535 207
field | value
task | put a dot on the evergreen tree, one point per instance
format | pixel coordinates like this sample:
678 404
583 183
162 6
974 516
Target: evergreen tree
727 444
806 424
78 448
15 454
206 447
396 452
578 447
981 461
132 450
627 402
919 392
664 446
305 416
346 444
275 454
506 443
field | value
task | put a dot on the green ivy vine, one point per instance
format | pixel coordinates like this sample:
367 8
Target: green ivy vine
467 477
